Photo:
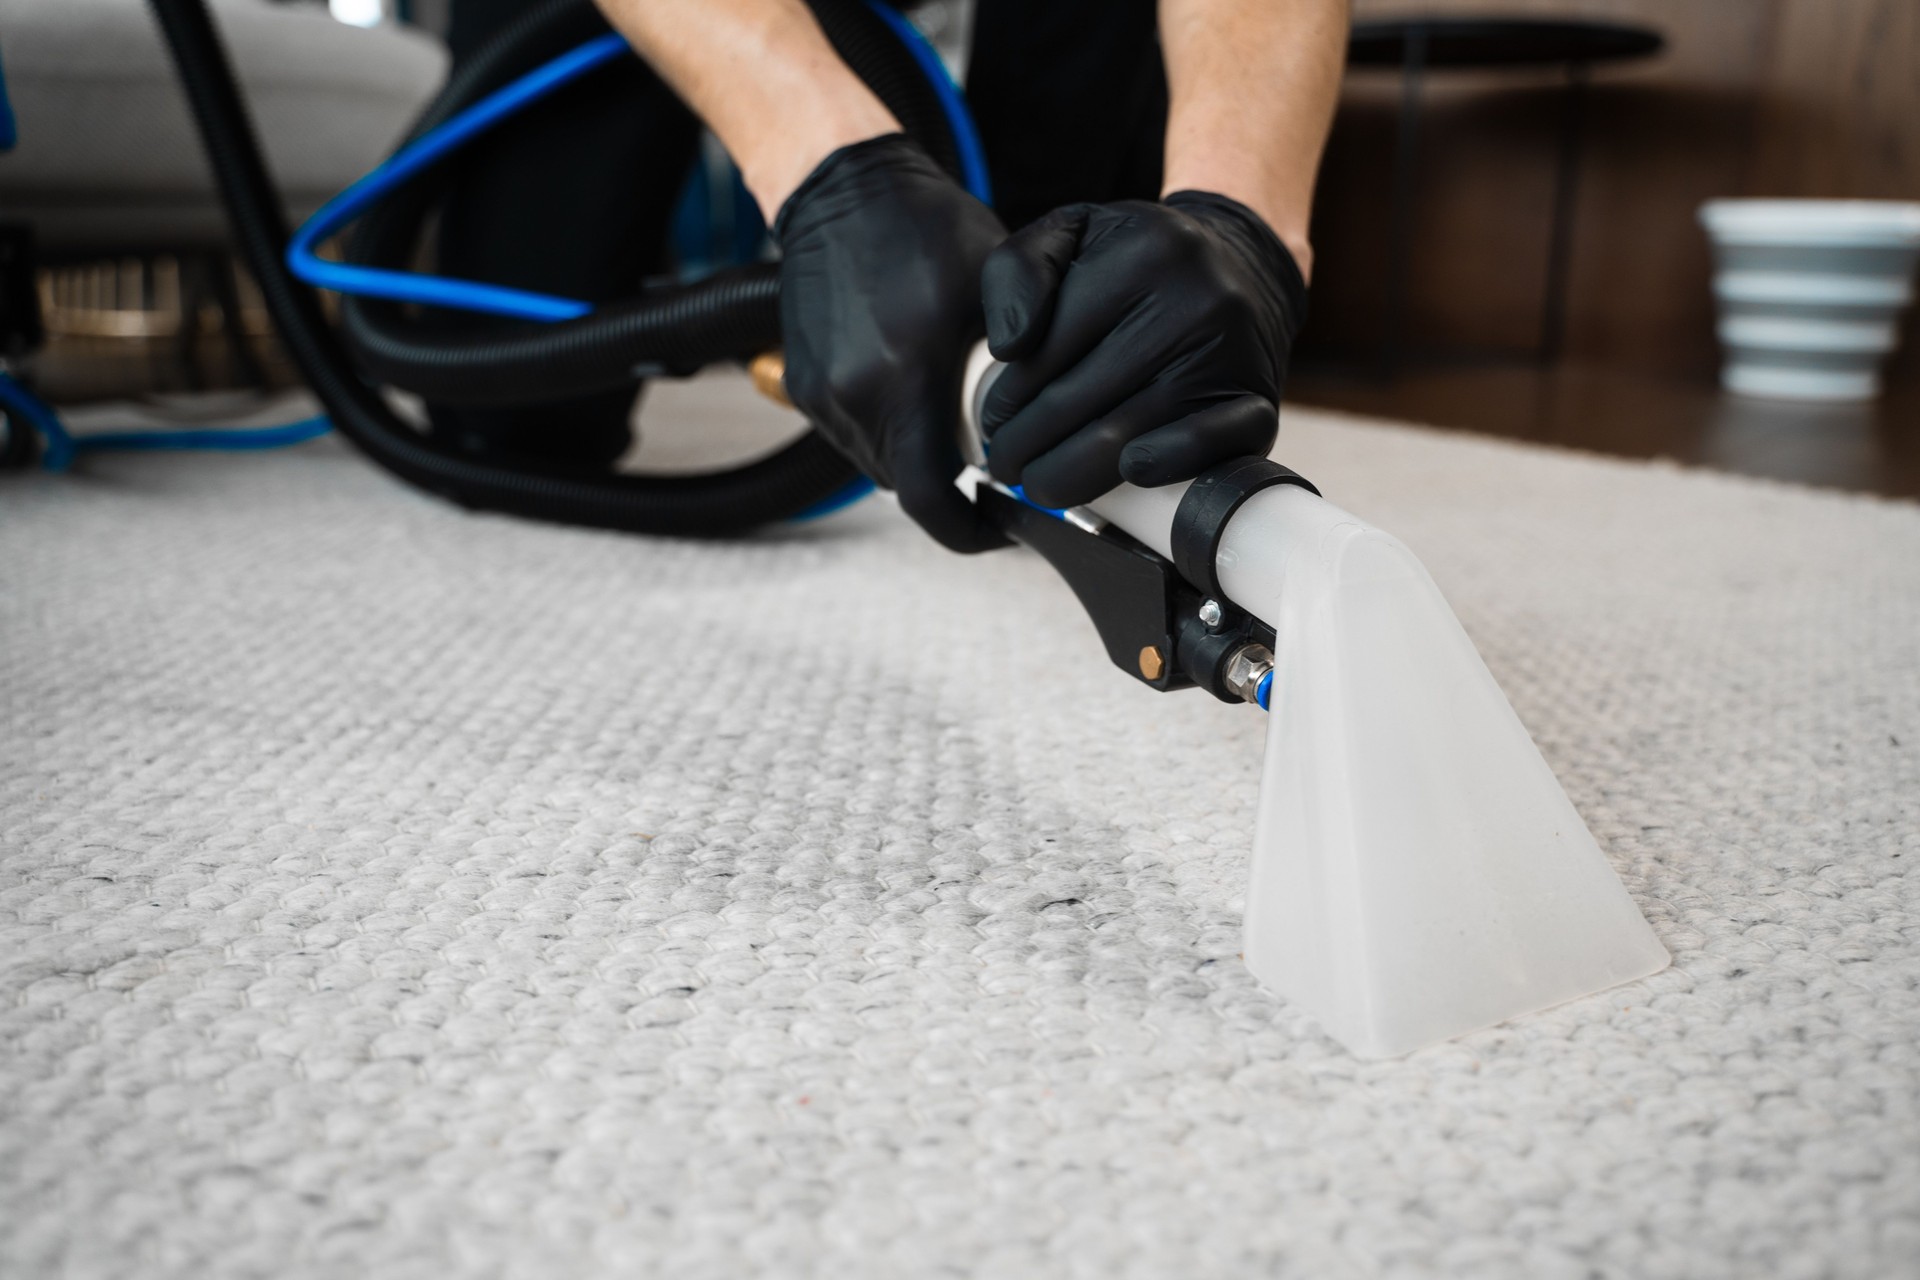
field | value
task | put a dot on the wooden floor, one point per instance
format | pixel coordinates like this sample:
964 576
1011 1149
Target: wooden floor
1873 448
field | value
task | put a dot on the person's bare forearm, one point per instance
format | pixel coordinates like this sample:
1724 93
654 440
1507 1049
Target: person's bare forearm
1253 85
762 76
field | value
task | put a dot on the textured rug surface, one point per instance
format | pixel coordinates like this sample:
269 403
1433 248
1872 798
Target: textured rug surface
391 891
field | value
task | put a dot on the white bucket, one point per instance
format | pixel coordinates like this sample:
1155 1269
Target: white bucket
1810 292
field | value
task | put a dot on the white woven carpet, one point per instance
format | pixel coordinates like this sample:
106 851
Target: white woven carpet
389 891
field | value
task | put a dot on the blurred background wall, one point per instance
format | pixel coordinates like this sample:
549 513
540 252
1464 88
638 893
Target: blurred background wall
1813 98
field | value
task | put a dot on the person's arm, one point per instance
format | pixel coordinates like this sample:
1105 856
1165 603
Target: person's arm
1252 86
880 250
1147 341
762 76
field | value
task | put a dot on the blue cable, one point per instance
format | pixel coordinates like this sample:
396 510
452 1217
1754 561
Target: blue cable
236 439
469 295
966 138
857 488
407 286
22 405
62 445
9 131
1020 491
437 143
522 304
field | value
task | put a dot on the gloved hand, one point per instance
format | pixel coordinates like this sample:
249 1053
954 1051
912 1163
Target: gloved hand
879 303
1146 342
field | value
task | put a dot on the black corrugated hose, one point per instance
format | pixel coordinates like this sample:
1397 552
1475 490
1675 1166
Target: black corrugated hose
680 329
674 329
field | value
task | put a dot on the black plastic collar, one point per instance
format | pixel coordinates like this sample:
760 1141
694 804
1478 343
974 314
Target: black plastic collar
1207 506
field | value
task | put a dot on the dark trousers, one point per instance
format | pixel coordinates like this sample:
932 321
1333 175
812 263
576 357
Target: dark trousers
1071 100
575 197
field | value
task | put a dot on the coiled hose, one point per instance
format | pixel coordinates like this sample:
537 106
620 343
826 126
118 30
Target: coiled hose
672 329
680 328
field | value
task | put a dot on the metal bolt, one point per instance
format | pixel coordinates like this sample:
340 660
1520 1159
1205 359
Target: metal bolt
1152 662
1211 613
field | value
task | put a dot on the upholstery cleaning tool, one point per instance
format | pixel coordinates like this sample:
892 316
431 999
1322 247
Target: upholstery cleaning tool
1417 871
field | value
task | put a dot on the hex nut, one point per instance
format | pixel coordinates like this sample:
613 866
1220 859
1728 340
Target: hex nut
1249 664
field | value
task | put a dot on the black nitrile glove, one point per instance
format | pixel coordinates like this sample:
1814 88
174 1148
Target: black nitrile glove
1146 343
879 302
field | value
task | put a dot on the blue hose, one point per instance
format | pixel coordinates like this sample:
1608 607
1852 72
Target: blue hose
856 489
523 304
9 132
468 295
407 286
61 445
24 406
438 143
235 439
966 138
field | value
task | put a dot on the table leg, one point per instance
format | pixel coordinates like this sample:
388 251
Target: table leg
233 324
1406 157
1566 183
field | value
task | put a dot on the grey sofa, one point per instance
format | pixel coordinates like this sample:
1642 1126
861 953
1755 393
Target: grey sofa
108 161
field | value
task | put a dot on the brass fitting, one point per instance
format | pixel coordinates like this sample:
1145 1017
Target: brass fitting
769 373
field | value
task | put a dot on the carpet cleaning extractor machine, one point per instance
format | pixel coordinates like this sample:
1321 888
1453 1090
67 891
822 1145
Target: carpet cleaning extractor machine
1417 871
